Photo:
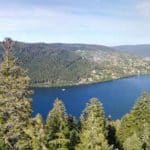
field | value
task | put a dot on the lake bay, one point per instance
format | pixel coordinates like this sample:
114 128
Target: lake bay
117 96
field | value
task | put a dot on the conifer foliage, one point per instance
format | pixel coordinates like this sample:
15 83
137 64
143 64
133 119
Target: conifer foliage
57 127
15 104
20 131
93 127
36 133
135 126
132 143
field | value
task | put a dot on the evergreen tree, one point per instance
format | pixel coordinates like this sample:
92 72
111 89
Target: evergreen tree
15 104
57 127
74 132
2 144
93 127
146 136
137 121
132 143
111 136
35 131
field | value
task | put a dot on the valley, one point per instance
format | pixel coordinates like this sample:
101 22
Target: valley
51 65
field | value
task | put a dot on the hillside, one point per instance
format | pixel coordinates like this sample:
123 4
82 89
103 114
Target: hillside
70 64
140 50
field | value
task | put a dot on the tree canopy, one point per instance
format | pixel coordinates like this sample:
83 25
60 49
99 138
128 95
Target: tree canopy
19 130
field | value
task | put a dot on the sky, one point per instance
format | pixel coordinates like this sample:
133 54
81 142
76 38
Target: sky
105 22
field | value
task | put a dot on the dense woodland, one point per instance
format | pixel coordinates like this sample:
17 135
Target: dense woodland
93 131
70 64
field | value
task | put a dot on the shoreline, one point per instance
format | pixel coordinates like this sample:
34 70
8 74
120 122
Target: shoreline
84 84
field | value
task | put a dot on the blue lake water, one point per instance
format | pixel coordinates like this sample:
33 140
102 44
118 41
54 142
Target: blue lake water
117 96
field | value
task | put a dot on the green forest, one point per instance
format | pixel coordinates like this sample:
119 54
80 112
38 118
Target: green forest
59 64
60 131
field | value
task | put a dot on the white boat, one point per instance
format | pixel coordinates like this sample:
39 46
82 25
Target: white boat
63 89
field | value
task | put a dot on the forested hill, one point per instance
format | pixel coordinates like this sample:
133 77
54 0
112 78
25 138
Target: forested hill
93 131
140 50
69 64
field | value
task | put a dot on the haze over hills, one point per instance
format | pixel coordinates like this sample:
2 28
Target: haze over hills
140 50
60 64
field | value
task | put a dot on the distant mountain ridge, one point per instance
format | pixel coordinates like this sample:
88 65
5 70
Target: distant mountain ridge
59 64
140 50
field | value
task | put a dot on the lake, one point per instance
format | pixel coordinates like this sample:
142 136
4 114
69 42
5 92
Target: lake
117 96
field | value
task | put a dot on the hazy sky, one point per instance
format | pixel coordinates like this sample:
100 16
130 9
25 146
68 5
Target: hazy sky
108 22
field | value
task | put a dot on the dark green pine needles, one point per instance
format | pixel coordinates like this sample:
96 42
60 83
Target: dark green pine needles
15 104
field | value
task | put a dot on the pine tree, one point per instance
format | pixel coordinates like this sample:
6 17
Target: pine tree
111 136
15 104
57 127
93 127
74 132
132 143
145 138
2 144
135 121
35 130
